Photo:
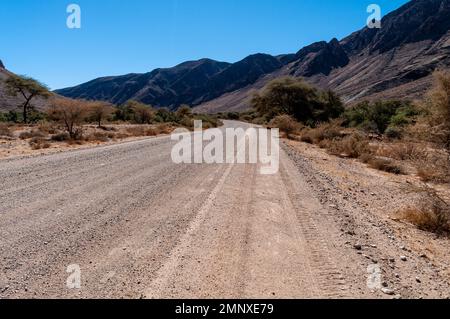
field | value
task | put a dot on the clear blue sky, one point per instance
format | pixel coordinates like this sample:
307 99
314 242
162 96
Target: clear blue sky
119 37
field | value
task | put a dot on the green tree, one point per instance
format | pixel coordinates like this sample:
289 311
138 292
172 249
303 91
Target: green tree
27 88
164 115
297 98
184 111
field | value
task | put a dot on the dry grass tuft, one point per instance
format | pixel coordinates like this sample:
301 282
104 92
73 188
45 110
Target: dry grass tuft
385 165
164 129
353 146
98 137
32 134
5 130
432 214
286 124
136 131
38 143
403 151
326 131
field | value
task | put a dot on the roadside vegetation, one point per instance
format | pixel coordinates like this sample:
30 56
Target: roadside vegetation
76 122
397 137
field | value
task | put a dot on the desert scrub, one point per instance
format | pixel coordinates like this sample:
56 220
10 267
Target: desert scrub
385 165
324 131
5 130
60 137
32 134
38 143
432 214
353 146
287 124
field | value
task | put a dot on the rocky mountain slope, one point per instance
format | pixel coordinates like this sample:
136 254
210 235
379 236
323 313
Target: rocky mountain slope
395 61
13 103
7 102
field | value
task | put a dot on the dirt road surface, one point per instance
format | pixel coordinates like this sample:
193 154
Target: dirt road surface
140 226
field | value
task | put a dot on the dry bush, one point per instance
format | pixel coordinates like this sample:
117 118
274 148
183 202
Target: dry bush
151 131
434 171
32 134
71 113
403 151
38 143
75 142
385 165
122 135
353 146
5 130
431 214
136 131
48 127
325 131
164 129
60 137
306 138
286 124
97 137
438 105
100 111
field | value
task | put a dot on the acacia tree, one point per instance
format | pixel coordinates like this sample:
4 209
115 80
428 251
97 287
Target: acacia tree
71 113
27 88
100 111
143 114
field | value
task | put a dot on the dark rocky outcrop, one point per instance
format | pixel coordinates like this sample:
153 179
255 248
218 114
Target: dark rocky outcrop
319 58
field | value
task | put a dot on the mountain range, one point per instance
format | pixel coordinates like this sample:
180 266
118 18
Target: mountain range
395 61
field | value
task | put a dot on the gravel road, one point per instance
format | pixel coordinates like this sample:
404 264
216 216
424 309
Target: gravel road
140 226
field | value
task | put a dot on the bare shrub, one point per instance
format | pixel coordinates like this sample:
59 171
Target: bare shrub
136 130
48 127
151 131
353 146
38 143
325 131
438 103
100 111
121 135
385 165
165 129
403 151
437 172
431 214
71 113
32 134
60 137
5 130
97 137
286 124
307 139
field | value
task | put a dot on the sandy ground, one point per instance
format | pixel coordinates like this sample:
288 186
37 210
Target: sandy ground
140 226
366 203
